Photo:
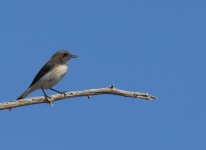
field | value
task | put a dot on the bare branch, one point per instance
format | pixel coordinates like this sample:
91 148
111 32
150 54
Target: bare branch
109 90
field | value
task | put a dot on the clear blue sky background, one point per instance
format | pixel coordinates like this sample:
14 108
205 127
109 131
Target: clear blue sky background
138 45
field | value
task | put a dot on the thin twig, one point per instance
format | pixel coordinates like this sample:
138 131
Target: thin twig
109 90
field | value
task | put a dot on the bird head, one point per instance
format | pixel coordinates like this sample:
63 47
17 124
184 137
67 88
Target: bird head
63 56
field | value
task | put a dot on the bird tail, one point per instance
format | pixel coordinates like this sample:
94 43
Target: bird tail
25 94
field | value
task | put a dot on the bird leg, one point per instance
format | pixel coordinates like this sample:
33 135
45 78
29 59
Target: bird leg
47 98
62 93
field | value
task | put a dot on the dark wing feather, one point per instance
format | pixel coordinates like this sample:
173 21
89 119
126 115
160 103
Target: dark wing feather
45 69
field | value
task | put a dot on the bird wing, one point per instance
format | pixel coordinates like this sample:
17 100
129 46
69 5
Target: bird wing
44 70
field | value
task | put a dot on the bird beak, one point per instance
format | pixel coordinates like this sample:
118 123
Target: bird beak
74 56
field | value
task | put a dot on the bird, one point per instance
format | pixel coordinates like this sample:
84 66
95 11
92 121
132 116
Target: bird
50 74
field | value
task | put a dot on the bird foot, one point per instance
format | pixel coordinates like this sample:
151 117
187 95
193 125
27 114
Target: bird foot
63 93
48 101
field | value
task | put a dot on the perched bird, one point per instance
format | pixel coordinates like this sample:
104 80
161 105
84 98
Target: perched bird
50 74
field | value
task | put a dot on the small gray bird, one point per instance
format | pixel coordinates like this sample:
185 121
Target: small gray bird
50 74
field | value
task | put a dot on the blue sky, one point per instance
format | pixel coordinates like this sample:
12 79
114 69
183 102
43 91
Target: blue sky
145 45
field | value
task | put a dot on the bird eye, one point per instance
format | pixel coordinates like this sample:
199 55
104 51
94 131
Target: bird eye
65 55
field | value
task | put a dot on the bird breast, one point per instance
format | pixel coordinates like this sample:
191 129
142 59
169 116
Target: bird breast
58 72
52 77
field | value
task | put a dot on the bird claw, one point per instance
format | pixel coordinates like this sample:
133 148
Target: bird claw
63 93
48 101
